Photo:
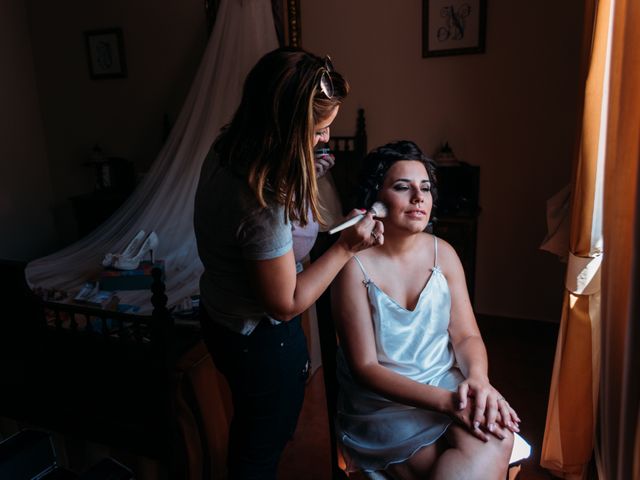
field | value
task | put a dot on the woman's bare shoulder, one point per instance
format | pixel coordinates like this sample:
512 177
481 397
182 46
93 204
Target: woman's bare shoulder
351 271
447 256
444 247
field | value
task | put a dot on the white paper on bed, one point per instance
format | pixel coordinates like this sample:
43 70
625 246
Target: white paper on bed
163 202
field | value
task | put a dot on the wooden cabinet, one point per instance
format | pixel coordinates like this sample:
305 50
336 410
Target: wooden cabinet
115 180
92 209
456 214
461 233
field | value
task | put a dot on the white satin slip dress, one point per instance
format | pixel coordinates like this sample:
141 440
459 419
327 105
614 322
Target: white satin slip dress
373 431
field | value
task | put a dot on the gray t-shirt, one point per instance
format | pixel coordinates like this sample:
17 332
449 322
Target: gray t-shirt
303 239
232 228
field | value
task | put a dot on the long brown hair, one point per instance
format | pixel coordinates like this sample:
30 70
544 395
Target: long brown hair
270 139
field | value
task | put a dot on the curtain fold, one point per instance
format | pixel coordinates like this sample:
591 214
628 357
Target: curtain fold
619 424
595 392
571 415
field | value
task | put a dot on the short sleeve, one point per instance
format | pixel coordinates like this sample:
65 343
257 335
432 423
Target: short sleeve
264 234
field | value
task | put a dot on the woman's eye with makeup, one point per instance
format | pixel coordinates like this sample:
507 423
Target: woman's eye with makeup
400 187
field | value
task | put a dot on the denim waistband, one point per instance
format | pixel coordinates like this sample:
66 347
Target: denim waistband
265 332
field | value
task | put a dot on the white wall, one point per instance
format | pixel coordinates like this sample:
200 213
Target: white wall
26 222
511 110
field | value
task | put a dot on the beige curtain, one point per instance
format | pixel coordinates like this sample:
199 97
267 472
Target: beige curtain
595 386
571 415
619 423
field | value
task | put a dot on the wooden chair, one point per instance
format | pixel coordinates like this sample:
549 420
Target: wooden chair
328 345
349 152
204 411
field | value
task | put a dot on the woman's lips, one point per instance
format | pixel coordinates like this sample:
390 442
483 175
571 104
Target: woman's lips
416 213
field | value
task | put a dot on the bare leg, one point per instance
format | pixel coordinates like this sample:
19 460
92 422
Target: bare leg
459 456
470 458
418 466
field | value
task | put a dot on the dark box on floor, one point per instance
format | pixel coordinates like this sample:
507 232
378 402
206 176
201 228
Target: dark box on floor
30 454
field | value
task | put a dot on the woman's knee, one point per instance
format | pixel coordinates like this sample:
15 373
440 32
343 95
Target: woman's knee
497 452
492 455
505 446
418 466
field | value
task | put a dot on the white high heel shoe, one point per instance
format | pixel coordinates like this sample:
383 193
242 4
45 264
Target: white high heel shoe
131 249
132 262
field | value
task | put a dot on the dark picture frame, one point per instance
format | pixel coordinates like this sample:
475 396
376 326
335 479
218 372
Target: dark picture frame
453 27
105 53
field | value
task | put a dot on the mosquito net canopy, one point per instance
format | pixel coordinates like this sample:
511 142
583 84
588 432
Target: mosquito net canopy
163 202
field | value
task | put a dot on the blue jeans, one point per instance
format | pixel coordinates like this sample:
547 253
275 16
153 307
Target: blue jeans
266 371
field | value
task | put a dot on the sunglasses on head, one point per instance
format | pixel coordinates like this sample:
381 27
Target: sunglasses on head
326 84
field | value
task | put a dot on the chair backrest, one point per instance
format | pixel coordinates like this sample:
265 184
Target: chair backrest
349 152
328 345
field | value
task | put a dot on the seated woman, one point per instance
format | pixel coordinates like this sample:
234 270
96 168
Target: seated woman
415 400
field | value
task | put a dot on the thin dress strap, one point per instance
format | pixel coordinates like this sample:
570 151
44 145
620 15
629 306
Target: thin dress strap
435 252
366 280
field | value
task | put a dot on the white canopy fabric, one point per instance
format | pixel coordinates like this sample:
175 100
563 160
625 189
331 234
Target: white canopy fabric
163 202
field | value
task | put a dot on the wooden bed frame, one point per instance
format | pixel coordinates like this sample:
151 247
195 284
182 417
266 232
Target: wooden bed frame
93 374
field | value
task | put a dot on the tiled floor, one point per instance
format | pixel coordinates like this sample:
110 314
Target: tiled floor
520 358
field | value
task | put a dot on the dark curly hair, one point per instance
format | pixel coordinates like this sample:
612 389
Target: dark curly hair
378 162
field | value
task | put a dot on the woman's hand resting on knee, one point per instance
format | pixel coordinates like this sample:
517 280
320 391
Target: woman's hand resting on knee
463 417
489 407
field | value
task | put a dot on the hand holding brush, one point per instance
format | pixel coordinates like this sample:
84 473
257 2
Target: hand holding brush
378 209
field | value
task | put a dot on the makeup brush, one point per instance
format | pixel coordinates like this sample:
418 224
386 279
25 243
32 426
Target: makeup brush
378 209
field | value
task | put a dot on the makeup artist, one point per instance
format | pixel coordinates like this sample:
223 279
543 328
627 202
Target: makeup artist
258 181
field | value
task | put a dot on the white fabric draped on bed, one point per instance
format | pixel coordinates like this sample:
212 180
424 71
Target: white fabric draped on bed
163 202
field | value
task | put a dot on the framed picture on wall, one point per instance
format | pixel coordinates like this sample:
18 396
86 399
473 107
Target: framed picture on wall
105 53
453 27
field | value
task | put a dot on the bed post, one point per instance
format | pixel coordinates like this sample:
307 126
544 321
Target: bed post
163 348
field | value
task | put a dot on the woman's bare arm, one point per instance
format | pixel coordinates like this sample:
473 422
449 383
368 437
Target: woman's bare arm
285 294
471 355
